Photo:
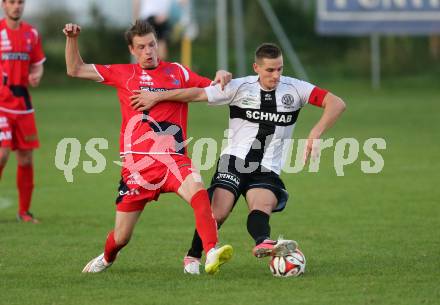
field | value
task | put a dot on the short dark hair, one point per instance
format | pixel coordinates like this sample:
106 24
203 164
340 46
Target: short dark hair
267 50
139 28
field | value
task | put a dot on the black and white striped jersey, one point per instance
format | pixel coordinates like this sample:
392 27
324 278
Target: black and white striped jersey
261 121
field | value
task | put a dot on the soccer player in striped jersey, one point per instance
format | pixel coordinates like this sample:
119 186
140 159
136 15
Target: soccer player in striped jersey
263 112
152 143
22 59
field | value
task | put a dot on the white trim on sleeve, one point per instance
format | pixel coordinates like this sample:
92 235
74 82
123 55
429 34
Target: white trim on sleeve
185 72
210 93
16 111
40 62
35 32
99 74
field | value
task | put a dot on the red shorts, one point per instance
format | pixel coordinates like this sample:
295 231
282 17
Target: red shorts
18 131
155 175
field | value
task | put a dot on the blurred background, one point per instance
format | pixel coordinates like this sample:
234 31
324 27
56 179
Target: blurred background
368 238
322 57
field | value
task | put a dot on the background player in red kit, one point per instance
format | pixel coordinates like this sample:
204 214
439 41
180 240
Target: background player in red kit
22 59
152 143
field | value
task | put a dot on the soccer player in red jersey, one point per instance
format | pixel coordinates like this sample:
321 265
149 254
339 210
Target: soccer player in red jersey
152 144
22 59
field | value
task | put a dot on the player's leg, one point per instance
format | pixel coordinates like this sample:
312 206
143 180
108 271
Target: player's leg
25 184
121 235
25 141
116 240
130 203
222 203
4 156
227 185
193 191
262 202
5 141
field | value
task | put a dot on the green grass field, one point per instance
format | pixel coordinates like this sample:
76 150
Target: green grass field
368 239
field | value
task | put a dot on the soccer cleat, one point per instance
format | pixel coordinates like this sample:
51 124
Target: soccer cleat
98 264
27 217
191 265
271 247
217 257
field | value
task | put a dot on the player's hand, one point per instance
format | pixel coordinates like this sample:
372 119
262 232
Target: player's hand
71 30
222 77
34 80
312 149
143 100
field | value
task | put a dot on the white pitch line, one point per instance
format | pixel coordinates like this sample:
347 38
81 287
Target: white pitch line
5 203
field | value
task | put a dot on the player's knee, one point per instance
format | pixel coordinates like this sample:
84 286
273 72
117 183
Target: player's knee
24 158
221 211
221 218
25 163
266 207
190 188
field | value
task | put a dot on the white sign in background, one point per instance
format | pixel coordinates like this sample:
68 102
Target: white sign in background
378 16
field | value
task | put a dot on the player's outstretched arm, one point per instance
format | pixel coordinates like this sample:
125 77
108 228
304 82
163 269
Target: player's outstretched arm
333 108
74 63
143 100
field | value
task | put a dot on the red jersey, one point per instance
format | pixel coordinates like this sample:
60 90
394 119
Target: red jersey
19 49
162 129
5 93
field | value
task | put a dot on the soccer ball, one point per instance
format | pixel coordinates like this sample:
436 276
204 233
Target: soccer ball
292 264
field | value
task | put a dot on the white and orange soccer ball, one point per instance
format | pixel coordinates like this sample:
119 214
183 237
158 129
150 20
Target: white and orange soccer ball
292 264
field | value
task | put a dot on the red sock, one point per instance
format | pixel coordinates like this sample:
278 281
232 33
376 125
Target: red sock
205 223
25 185
1 171
111 248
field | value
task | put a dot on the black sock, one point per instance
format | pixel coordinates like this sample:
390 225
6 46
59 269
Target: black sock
197 246
258 226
